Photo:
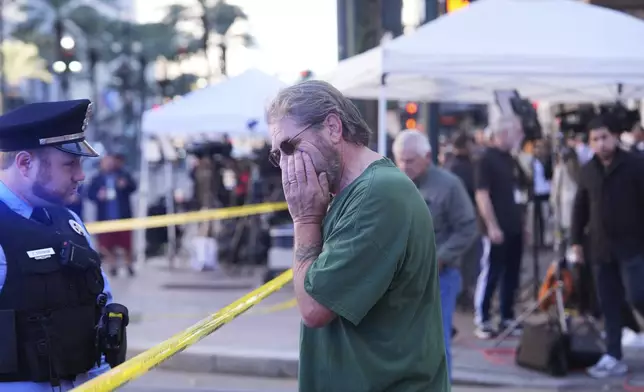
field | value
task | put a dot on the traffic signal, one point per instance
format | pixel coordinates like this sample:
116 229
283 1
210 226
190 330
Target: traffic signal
306 75
409 116
453 5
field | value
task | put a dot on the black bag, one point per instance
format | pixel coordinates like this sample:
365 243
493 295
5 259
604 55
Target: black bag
586 345
543 347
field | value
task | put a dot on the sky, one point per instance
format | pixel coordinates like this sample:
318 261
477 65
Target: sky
292 35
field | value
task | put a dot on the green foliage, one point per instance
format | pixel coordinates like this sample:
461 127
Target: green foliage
100 31
22 62
81 20
222 16
217 19
84 21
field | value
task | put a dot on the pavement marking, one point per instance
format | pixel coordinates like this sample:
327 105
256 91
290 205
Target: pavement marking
137 317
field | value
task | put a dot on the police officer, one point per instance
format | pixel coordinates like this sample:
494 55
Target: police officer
53 293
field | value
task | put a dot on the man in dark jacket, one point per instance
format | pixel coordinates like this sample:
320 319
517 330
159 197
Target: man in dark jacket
111 190
610 205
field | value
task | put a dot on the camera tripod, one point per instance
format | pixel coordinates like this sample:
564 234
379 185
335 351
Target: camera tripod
557 291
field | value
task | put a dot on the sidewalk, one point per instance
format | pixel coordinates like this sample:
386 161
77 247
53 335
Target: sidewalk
264 341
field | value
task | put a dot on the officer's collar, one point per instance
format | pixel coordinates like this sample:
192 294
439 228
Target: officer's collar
14 203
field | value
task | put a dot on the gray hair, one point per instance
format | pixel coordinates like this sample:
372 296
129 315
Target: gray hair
412 138
503 123
310 102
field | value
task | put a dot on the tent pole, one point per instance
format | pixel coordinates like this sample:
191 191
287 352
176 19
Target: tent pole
142 208
432 11
169 208
382 116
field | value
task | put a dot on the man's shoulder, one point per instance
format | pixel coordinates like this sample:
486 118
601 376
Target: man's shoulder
486 155
589 168
384 174
381 186
635 161
64 212
487 152
75 216
389 184
447 177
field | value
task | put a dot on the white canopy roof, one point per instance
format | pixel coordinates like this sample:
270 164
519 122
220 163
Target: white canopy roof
554 50
226 107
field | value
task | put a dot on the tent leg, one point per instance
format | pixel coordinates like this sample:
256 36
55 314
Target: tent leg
169 206
382 116
142 208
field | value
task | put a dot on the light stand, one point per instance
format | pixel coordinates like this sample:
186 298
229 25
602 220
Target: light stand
536 240
557 291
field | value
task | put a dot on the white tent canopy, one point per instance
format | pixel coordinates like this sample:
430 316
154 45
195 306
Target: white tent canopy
553 50
226 107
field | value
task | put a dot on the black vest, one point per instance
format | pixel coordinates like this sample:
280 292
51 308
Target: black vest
53 306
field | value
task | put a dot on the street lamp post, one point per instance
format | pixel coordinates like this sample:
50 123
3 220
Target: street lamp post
131 52
137 52
93 59
143 85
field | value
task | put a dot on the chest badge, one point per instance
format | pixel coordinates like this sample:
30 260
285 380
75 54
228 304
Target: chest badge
76 227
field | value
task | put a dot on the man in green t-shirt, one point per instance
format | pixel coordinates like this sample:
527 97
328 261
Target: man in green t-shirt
365 270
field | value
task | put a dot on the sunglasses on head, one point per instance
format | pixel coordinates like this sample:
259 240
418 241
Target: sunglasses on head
287 147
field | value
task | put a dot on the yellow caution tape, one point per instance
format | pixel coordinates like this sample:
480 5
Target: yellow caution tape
141 318
151 358
182 218
291 303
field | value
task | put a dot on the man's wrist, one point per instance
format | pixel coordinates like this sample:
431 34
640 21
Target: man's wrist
309 220
308 241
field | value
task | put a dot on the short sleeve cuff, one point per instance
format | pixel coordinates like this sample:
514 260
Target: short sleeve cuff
327 303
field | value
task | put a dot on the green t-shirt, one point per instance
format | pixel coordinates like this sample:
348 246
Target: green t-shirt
378 273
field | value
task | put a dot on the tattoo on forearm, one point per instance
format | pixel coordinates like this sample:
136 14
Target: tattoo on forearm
307 252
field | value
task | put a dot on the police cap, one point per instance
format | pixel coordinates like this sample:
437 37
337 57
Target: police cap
48 124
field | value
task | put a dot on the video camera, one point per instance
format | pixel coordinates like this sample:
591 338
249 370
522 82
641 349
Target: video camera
615 115
210 149
510 102
618 118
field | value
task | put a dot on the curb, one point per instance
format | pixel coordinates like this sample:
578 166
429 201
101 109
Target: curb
278 364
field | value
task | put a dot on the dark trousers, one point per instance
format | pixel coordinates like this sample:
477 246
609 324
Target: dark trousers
616 282
539 223
470 269
502 267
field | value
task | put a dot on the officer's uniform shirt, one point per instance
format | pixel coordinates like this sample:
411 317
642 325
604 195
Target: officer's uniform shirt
59 125
20 207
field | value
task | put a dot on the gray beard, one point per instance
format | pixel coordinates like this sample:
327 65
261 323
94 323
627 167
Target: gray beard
334 170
